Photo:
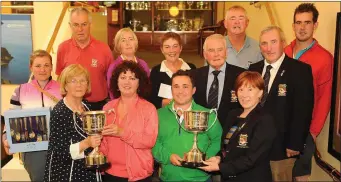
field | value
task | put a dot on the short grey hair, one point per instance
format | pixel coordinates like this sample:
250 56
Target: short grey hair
79 10
236 7
214 37
272 27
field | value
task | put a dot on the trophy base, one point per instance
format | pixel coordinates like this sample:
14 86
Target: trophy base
97 167
192 164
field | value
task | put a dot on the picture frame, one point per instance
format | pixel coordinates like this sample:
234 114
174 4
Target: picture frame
27 130
16 48
334 141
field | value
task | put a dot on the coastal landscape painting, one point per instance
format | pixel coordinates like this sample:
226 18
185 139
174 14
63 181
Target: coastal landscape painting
16 47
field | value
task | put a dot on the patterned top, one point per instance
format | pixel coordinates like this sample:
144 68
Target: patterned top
64 132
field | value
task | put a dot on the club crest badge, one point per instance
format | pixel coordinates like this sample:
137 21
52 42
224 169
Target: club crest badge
243 141
94 63
233 96
282 90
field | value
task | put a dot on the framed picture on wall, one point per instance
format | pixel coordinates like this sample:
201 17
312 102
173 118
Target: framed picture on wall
27 129
334 142
16 48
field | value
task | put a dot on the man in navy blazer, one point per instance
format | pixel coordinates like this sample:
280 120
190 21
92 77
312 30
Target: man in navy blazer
215 54
289 98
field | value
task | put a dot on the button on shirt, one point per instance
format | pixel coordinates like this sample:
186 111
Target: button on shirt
247 55
221 79
273 71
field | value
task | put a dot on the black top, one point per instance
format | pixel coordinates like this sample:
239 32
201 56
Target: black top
157 77
290 101
247 154
59 164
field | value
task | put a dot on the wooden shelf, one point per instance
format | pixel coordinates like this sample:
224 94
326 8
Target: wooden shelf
186 9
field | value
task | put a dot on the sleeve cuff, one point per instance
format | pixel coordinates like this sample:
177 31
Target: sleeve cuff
74 151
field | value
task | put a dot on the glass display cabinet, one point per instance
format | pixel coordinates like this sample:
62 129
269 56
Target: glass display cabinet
150 20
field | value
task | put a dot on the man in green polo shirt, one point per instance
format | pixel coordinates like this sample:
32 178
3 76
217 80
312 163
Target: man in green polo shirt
173 141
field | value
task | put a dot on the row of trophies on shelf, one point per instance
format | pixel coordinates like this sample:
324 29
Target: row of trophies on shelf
28 129
166 5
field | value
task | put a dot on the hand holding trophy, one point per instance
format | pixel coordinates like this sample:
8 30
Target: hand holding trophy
195 122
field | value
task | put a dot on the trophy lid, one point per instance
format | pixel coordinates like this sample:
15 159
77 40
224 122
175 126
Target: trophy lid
93 112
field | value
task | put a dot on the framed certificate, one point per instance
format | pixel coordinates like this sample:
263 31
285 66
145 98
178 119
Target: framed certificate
27 130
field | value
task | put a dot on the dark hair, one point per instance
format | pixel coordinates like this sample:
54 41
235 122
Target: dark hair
144 84
171 35
184 73
307 8
249 77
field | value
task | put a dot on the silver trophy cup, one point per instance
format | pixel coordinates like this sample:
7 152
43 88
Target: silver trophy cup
93 123
195 122
135 23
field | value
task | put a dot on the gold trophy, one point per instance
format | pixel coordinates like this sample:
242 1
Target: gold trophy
195 122
93 123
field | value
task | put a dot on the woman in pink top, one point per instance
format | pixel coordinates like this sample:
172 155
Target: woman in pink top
130 134
126 45
42 91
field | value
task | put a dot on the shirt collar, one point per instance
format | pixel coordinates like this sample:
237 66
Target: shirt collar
188 109
277 64
222 69
246 42
164 68
75 43
123 58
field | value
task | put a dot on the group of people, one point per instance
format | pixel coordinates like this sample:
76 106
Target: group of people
272 101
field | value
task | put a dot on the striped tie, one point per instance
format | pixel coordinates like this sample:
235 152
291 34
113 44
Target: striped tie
266 84
213 92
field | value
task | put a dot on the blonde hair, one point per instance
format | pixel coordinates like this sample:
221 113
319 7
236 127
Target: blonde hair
214 37
236 7
273 27
71 71
39 53
118 38
79 10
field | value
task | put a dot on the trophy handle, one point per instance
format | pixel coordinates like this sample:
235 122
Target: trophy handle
176 116
216 116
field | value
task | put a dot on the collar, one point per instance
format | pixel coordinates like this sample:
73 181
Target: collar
276 64
76 44
188 109
246 42
164 68
124 59
34 81
222 68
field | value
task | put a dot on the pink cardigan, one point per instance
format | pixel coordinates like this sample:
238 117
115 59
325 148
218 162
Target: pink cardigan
140 133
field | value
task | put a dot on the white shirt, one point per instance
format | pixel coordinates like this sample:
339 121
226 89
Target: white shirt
274 70
164 68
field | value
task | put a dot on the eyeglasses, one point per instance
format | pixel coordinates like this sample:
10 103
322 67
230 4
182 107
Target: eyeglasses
75 82
76 25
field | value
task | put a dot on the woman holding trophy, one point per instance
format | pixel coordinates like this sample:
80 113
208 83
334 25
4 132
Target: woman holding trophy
126 45
131 128
247 135
42 91
68 142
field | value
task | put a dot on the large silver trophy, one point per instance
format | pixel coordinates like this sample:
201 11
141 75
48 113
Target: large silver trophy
195 122
93 123
135 23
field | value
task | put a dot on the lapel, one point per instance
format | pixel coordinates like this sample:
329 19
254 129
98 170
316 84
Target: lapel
259 67
204 78
250 120
279 76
